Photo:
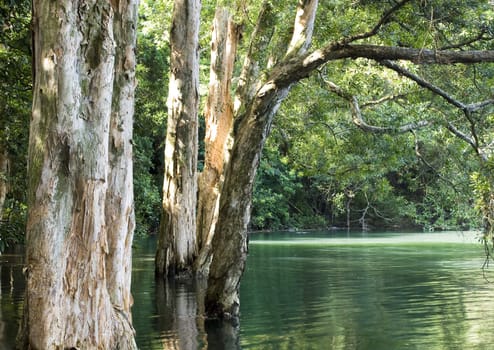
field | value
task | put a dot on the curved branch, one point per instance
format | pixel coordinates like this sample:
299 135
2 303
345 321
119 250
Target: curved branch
461 135
359 121
479 37
467 109
292 70
384 19
423 83
383 99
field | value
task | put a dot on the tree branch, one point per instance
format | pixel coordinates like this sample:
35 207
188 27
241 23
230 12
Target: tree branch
478 37
474 107
384 19
249 76
294 69
467 109
382 100
425 84
461 135
358 120
303 27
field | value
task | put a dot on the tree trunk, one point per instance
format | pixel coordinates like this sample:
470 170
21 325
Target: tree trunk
251 130
230 239
219 121
119 214
258 96
4 174
177 244
80 222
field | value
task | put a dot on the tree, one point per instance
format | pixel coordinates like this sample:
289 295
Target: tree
257 104
177 245
274 61
219 122
80 220
4 171
253 125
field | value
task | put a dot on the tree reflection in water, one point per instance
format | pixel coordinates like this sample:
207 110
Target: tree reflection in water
12 286
165 313
179 305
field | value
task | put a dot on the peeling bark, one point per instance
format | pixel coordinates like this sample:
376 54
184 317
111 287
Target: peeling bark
219 121
263 83
119 206
177 244
251 130
78 268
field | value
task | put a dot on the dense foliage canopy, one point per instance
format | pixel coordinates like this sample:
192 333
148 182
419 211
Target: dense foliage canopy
323 166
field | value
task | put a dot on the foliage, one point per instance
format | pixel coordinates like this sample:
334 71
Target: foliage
146 189
150 113
366 180
275 188
318 168
12 227
15 108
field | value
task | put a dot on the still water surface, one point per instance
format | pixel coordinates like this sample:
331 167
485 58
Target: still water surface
316 291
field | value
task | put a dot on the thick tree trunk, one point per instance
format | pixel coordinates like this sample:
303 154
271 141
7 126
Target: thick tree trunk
4 174
251 130
219 121
230 238
78 270
119 215
177 244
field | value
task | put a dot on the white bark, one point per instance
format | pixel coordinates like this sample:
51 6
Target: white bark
218 139
78 270
119 214
253 127
177 244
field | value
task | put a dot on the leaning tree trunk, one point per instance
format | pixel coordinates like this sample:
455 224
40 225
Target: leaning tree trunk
252 128
78 270
219 121
177 244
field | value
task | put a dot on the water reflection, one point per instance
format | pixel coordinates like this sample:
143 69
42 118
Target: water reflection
167 314
12 285
176 304
312 291
386 294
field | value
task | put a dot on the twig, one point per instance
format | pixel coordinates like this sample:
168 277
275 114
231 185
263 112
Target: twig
359 121
384 19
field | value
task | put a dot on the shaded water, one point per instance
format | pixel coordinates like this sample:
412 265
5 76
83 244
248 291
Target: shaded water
11 296
315 291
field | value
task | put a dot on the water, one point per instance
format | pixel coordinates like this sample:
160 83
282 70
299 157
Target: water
366 292
316 291
11 296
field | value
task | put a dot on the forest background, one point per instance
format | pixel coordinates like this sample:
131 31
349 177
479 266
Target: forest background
321 167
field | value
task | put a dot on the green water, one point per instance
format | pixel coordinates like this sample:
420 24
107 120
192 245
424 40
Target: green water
311 291
316 291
